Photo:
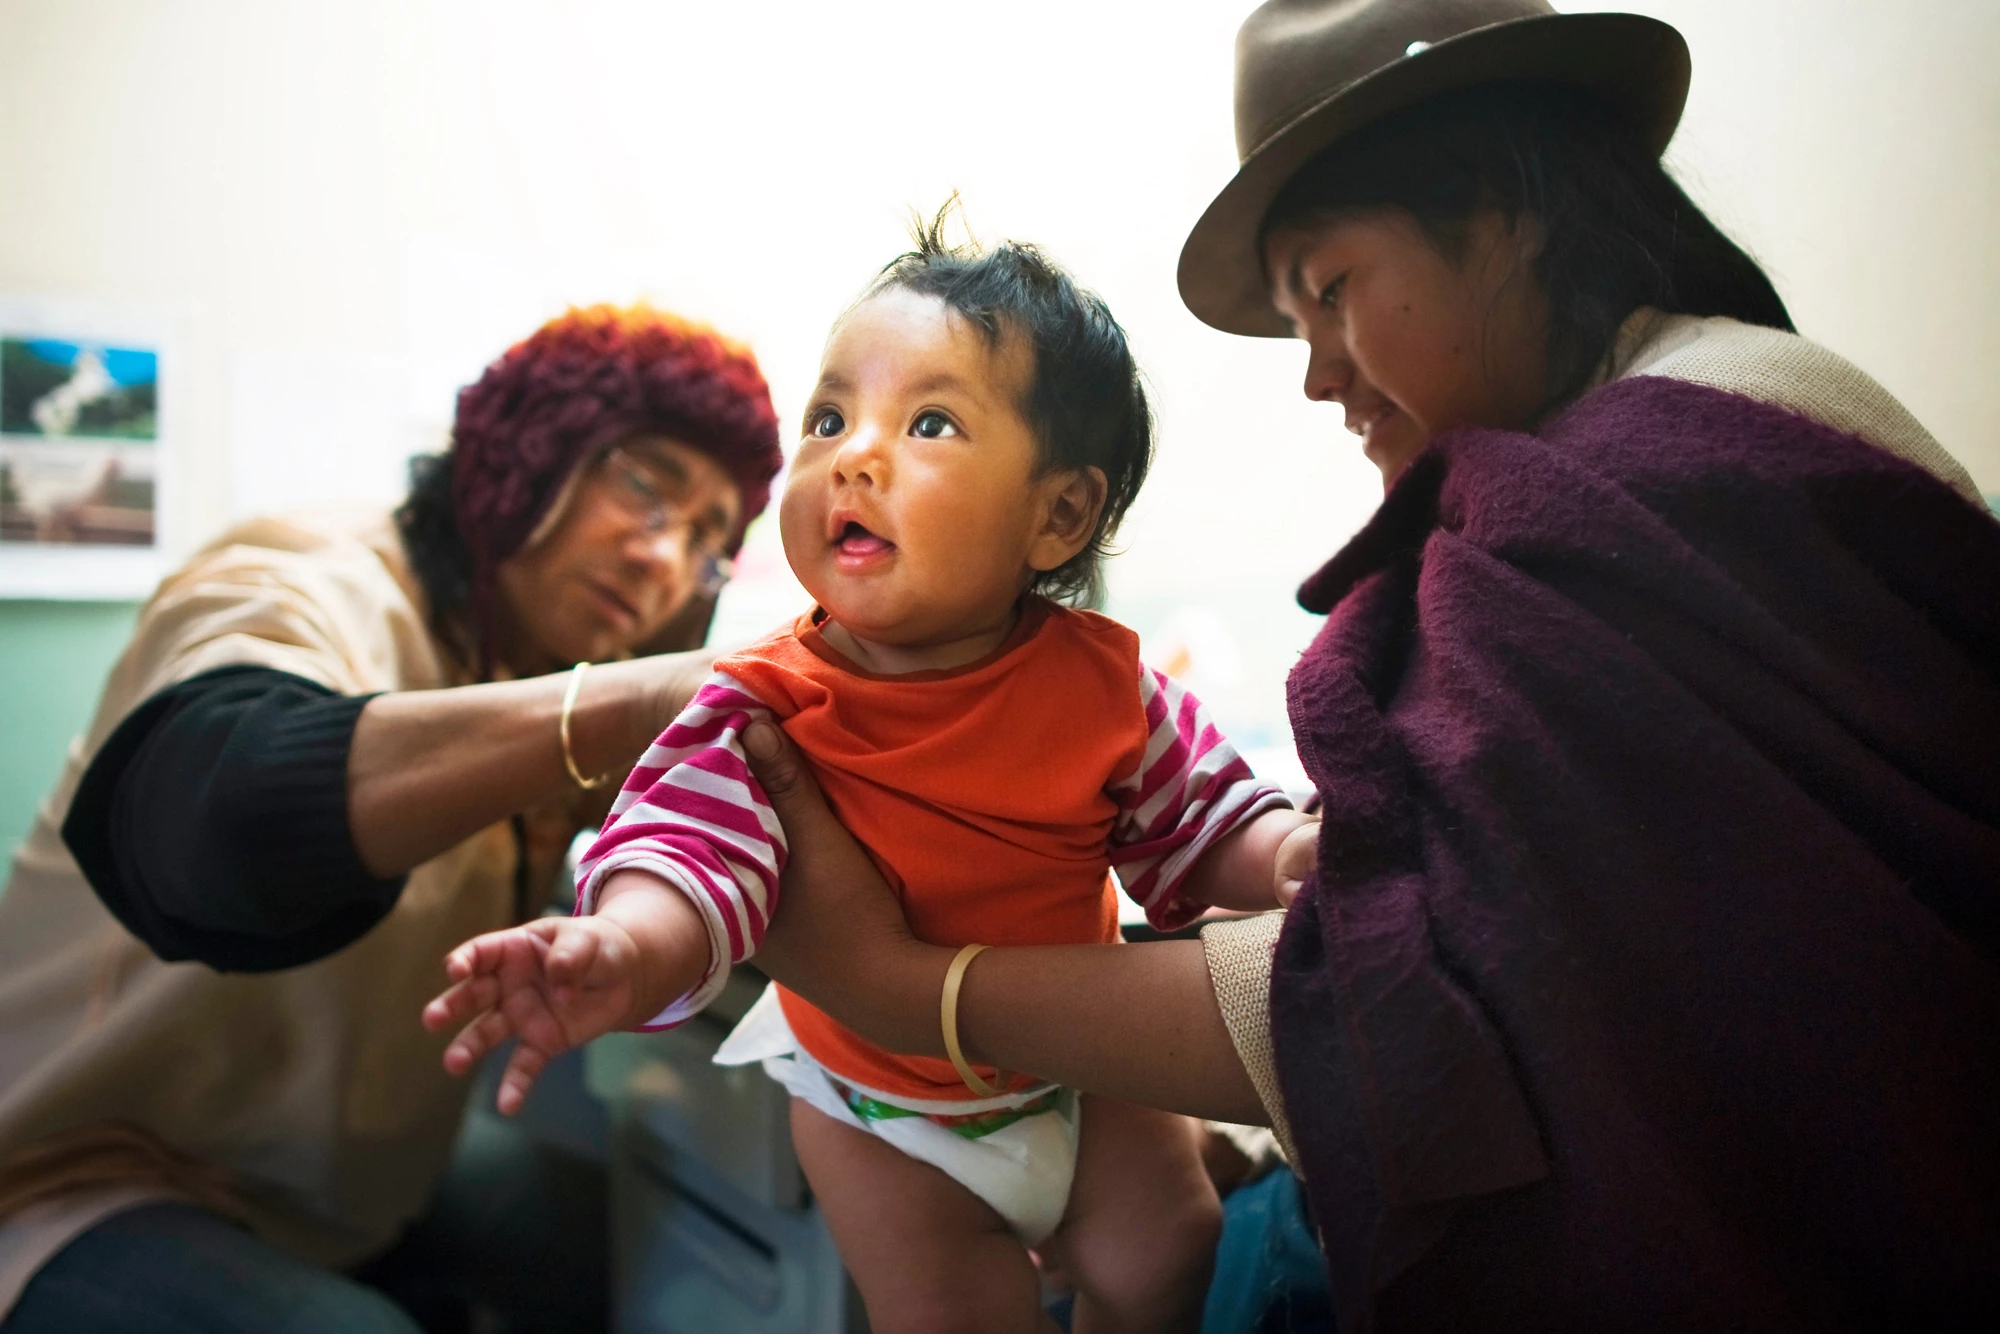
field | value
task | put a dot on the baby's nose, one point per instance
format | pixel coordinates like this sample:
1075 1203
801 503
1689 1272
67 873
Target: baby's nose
860 461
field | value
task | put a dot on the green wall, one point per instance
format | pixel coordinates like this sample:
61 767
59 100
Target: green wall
53 660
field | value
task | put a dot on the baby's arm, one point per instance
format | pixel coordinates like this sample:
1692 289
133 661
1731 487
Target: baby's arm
1195 827
558 982
678 886
1258 865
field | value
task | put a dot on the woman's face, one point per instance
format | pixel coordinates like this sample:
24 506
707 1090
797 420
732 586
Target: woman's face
632 542
1408 341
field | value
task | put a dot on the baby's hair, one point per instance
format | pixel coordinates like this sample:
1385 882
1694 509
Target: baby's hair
1085 401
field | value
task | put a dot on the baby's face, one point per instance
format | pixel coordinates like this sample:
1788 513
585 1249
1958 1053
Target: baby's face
912 513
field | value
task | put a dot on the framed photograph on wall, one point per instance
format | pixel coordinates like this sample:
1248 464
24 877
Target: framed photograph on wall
87 451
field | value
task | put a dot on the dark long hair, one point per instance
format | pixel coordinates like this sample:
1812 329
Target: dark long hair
439 556
1618 232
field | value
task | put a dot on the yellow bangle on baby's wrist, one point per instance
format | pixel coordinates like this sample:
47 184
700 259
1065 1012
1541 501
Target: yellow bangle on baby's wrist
954 976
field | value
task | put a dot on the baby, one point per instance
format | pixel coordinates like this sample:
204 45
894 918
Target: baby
978 431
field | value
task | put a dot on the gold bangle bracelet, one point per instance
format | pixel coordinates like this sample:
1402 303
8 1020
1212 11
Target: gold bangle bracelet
948 1017
562 730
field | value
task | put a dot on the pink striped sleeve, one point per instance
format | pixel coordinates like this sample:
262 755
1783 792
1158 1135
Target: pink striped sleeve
692 813
1189 789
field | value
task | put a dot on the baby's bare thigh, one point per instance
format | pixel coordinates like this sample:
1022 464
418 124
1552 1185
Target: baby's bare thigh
1138 1238
926 1253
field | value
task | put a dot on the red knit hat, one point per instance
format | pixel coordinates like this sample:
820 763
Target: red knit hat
589 379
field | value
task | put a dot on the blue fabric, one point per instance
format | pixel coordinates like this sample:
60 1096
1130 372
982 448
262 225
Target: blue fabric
176 1269
1269 1275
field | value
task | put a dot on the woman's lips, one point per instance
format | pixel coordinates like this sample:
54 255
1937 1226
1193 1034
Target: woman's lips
1363 421
620 612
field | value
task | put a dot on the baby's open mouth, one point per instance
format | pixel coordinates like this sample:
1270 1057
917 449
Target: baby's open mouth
854 540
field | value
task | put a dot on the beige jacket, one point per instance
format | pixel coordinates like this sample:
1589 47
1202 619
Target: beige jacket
1768 365
309 1102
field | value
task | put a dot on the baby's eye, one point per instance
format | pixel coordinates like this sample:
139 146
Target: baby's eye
828 424
932 425
1330 295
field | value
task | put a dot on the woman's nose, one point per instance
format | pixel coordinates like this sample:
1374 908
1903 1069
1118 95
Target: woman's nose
1329 372
665 549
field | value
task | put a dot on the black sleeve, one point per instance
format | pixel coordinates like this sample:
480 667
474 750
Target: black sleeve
213 823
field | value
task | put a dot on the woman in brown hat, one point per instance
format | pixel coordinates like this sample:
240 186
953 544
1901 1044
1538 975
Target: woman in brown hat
1648 973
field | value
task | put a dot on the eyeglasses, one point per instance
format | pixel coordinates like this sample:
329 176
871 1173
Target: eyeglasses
658 502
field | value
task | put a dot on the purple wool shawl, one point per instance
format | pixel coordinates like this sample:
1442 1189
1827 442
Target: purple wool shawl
1650 976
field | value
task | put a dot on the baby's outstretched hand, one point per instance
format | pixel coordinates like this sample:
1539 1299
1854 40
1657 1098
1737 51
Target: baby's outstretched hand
554 983
1295 860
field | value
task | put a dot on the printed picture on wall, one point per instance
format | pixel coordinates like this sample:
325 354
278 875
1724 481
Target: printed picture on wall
79 437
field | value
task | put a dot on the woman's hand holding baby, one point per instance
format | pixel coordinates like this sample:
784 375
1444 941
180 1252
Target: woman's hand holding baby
839 937
558 982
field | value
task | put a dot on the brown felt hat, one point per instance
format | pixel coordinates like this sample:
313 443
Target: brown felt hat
1310 71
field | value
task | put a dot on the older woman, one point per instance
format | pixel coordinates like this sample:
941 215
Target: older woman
1650 974
336 747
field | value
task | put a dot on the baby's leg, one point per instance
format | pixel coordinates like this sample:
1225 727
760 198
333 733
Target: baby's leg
1139 1236
927 1254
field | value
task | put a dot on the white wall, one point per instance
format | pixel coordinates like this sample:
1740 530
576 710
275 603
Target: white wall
356 205
1854 148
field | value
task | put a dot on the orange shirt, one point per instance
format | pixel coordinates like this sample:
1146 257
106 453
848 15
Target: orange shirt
979 792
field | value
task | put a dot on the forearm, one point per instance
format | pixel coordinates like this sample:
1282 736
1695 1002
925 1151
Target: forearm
429 768
672 943
1134 1022
1236 872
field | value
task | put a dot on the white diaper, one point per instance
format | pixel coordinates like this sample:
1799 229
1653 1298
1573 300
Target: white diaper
1023 1168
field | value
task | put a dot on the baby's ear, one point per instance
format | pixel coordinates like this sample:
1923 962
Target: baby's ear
1072 498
